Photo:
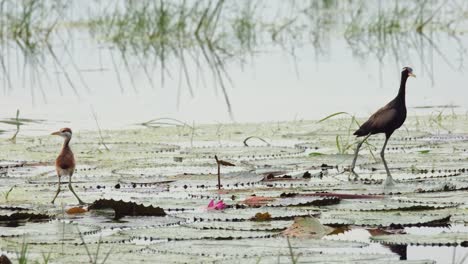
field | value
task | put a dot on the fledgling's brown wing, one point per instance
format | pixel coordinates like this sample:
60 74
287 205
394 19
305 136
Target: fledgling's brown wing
65 162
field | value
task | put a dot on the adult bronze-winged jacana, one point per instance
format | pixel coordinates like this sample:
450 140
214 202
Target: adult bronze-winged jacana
65 162
386 120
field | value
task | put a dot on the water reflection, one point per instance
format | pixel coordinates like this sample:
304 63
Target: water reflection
82 48
440 254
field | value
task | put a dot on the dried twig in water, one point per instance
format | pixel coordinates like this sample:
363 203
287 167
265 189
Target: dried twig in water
18 124
259 138
219 163
99 130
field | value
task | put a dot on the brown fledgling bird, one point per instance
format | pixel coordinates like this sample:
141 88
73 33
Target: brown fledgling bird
386 120
65 162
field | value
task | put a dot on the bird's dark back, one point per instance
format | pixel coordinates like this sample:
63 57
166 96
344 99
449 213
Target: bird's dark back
385 120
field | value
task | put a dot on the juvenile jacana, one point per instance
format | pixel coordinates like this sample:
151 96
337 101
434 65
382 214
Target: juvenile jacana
65 162
386 120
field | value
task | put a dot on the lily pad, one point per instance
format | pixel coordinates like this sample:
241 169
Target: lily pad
122 208
441 239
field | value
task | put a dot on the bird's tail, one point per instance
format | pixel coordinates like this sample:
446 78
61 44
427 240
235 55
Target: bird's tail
361 132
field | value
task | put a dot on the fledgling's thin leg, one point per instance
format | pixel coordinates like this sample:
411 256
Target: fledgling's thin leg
355 158
58 190
71 189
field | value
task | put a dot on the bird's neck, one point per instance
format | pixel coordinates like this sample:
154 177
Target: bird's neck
65 144
402 92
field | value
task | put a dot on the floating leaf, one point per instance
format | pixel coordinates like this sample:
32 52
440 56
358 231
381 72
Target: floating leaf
258 200
23 217
307 227
393 219
259 217
76 210
441 239
122 208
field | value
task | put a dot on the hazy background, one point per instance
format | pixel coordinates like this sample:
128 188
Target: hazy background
132 61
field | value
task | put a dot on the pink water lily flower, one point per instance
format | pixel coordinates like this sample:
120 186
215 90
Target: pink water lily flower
220 205
211 204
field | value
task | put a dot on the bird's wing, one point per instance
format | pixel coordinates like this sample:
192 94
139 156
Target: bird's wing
65 161
382 118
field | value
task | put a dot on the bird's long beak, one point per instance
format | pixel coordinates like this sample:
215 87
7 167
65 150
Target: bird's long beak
412 75
56 133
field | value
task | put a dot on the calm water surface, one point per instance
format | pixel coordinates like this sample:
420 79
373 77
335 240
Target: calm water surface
335 74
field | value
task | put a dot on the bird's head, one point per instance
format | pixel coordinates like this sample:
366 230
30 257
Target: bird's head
408 71
64 132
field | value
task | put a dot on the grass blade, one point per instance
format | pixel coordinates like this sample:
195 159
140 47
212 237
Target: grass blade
332 115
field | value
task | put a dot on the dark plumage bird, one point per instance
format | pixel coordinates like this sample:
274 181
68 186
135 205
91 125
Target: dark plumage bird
65 162
386 120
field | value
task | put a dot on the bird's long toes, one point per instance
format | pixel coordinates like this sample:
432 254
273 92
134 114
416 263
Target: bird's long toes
389 182
356 176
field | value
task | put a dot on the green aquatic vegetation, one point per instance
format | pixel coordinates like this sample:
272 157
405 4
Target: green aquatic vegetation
187 41
345 143
30 26
189 37
94 258
244 27
22 255
255 137
18 122
157 122
392 27
438 119
101 142
314 154
168 31
294 259
46 257
7 193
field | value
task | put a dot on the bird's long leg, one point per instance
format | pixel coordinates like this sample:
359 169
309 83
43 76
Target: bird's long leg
71 189
355 157
58 190
389 180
